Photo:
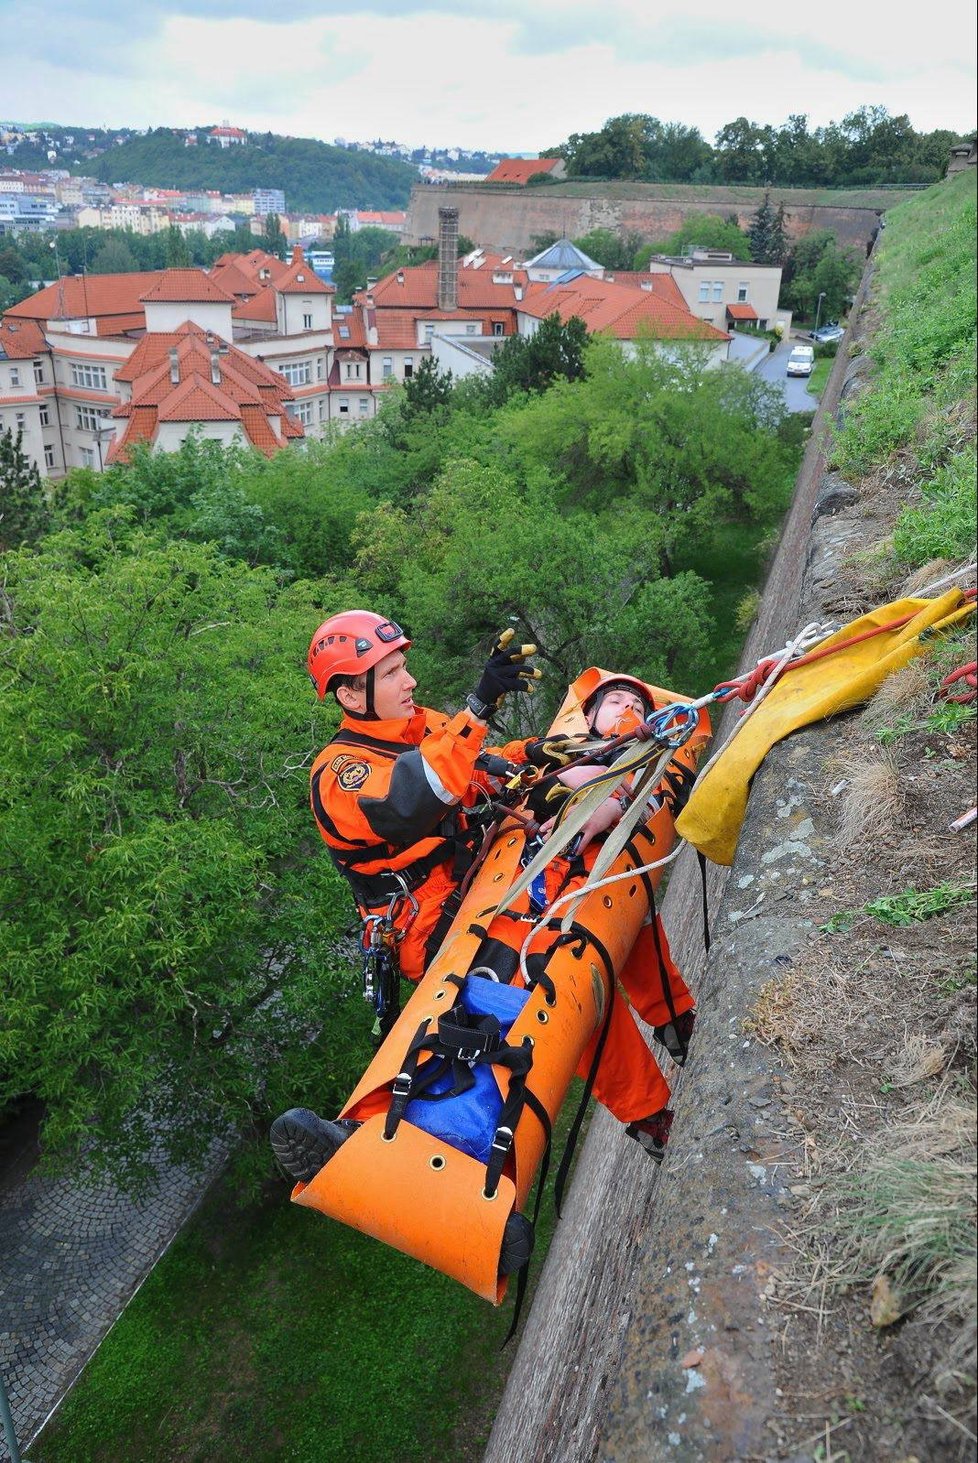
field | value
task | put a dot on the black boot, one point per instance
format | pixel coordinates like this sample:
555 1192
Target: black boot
675 1036
303 1142
517 1244
652 1133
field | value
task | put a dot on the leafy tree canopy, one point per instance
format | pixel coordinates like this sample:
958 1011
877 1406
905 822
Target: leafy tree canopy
165 937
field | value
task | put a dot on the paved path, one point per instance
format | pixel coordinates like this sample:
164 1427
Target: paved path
71 1256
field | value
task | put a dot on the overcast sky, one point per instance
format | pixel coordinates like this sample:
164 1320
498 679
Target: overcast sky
504 75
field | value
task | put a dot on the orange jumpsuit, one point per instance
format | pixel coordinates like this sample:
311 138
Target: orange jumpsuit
390 797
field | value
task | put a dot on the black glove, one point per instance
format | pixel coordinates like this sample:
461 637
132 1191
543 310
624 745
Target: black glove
549 753
677 784
505 671
546 799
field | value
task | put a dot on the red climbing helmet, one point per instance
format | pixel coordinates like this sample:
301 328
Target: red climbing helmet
349 644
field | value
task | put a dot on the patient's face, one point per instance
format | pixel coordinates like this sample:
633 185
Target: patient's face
620 711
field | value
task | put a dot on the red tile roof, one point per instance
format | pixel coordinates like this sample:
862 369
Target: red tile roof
521 169
416 288
20 339
247 391
741 312
186 286
260 307
299 278
81 296
618 310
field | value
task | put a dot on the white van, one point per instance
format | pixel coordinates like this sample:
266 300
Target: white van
801 361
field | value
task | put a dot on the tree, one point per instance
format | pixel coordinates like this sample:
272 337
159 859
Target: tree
12 265
115 256
613 249
766 232
816 265
702 230
532 362
273 239
428 389
24 515
177 250
165 938
740 151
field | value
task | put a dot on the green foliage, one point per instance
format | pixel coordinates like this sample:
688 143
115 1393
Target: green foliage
944 526
867 147
766 232
533 362
358 255
273 239
315 177
165 936
24 514
706 231
817 266
914 906
610 247
924 349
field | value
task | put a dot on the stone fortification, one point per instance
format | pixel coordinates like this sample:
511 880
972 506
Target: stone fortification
510 219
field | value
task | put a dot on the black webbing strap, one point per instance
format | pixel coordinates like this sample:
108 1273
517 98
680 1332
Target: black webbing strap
701 857
575 1128
403 1082
537 1107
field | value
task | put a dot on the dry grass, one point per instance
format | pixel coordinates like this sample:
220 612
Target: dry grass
906 1209
872 803
904 691
920 1059
926 575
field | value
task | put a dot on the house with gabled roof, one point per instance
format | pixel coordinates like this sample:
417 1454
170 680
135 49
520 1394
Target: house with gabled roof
521 169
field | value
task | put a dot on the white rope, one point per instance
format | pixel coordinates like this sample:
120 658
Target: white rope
949 578
589 889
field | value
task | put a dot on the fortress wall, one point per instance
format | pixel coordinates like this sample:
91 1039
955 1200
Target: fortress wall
509 220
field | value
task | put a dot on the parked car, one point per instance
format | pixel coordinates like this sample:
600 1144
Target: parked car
801 360
828 332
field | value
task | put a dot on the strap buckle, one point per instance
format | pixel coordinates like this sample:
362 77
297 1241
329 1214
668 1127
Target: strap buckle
402 1085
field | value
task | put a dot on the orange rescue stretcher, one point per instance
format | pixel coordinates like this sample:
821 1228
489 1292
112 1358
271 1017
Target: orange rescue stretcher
420 1193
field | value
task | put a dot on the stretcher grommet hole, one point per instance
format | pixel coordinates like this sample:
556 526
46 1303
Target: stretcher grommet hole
439 995
551 1000
496 878
489 1197
437 1162
542 1017
511 842
607 901
384 1138
529 1041
632 891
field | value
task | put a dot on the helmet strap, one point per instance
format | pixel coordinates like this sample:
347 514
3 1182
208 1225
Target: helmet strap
369 713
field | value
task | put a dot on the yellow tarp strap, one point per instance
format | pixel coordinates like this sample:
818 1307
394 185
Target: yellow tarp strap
713 816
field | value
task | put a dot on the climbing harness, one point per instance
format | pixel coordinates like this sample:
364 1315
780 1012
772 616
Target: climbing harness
381 974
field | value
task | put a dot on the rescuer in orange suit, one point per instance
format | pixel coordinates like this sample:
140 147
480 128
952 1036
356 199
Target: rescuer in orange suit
392 795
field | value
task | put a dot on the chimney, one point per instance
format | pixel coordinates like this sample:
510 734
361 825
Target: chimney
447 258
215 368
174 366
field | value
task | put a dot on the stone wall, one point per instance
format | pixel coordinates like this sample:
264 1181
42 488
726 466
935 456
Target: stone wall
510 219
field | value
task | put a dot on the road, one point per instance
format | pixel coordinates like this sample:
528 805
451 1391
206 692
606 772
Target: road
773 368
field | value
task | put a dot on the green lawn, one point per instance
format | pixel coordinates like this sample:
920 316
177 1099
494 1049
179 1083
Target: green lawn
268 1332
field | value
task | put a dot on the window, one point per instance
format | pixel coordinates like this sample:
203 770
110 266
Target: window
408 367
471 329
297 373
87 456
742 292
20 421
38 373
45 416
353 370
387 368
718 289
344 408
88 418
498 328
48 456
704 291
14 376
303 413
91 377
429 331
364 405
307 322
322 409
320 369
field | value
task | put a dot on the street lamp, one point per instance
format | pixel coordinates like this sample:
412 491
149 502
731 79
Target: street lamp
818 310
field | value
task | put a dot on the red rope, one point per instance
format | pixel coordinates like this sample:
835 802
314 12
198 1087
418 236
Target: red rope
747 687
966 673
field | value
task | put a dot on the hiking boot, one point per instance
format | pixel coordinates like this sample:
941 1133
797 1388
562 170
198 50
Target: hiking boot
303 1142
517 1244
652 1133
675 1035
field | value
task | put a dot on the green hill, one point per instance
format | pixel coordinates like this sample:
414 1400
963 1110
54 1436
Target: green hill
315 177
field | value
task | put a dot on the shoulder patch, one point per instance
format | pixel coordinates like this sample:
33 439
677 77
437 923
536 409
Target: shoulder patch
338 763
353 775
